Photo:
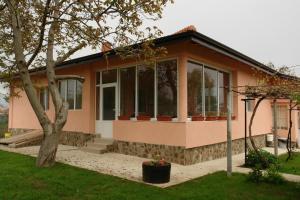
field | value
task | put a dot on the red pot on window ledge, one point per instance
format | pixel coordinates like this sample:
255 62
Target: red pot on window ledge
198 118
222 118
124 117
143 117
225 118
164 118
211 118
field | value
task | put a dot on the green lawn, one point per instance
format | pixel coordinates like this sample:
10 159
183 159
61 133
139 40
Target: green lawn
292 166
20 179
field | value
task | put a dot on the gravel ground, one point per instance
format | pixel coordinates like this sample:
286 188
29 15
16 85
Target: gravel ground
129 167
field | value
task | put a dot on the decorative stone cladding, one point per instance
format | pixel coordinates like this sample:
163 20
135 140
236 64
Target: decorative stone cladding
78 139
182 155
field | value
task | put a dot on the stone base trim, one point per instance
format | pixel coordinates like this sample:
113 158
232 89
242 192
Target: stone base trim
182 155
71 138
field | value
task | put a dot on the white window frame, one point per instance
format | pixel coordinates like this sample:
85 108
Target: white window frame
203 65
75 93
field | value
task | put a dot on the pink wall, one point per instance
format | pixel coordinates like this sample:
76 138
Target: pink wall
22 115
180 133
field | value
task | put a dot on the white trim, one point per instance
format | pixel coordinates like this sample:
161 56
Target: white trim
218 70
107 85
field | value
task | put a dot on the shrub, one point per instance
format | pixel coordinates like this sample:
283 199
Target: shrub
272 175
256 174
264 160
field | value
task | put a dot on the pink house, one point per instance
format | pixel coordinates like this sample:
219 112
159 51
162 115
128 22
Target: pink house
158 109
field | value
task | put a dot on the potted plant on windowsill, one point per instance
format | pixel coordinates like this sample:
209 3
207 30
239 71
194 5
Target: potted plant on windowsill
223 116
198 118
211 116
164 118
157 171
124 117
143 117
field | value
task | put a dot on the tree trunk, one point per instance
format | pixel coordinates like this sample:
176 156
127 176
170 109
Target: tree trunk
251 123
289 138
48 149
275 135
263 160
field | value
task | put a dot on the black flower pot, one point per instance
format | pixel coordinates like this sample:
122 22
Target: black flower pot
156 173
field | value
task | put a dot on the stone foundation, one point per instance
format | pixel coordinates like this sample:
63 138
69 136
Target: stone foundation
182 155
71 138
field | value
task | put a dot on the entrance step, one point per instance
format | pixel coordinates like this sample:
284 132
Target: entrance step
98 145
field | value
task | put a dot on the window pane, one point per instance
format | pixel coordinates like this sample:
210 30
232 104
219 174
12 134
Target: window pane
282 117
167 88
109 95
62 89
71 93
146 91
97 103
127 92
78 95
211 97
109 76
194 76
223 82
250 105
44 99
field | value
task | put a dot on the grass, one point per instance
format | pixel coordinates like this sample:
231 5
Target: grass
292 166
20 179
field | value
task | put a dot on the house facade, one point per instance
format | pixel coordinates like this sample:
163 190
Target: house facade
174 107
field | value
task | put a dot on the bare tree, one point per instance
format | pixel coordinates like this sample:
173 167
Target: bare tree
47 32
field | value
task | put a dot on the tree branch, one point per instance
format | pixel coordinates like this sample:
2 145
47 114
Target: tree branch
69 53
2 7
42 33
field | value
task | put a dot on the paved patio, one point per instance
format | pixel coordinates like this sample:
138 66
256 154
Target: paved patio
129 167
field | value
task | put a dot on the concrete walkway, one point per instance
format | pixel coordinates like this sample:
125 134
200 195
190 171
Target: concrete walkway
130 167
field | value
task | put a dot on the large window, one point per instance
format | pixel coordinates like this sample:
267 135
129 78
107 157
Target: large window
71 91
44 98
167 88
282 117
146 90
223 90
211 91
195 79
207 90
127 92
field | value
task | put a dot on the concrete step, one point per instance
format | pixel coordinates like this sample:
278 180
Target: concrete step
104 141
96 145
94 150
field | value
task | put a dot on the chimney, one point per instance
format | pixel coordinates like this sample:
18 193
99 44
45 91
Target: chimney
106 46
186 29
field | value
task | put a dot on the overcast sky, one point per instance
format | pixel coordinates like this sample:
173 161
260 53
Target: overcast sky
266 30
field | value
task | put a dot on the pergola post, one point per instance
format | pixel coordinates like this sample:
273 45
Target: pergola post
229 131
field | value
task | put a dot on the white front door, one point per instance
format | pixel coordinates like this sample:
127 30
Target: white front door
108 109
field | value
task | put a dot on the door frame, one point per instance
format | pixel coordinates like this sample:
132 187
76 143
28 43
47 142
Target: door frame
107 85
